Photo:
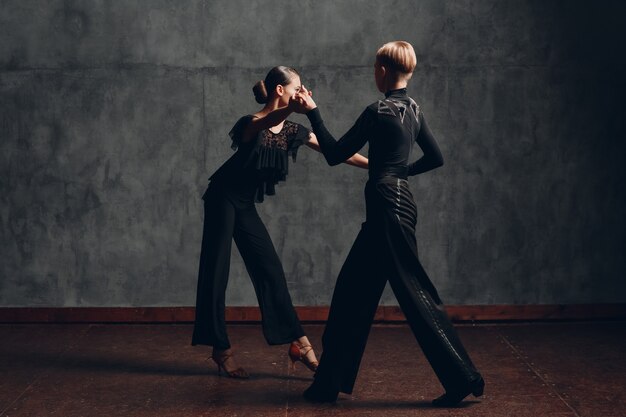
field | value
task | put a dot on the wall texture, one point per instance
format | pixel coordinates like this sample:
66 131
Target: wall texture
113 115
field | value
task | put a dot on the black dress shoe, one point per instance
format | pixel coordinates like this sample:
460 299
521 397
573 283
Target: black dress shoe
318 395
452 399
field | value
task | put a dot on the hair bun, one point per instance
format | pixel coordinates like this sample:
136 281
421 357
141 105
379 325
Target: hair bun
260 92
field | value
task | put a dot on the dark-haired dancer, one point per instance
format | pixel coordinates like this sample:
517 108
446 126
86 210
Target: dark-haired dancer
263 141
386 248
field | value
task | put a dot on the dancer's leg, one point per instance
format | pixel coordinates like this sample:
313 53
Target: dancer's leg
280 321
420 302
354 303
219 220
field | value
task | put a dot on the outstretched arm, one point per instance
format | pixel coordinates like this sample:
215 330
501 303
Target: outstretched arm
334 151
266 121
356 160
432 157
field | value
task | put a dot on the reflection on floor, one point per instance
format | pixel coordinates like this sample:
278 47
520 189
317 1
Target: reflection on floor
538 370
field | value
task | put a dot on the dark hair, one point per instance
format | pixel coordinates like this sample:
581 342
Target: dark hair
277 75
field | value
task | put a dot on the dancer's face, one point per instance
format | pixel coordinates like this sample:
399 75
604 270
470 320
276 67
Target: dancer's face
286 91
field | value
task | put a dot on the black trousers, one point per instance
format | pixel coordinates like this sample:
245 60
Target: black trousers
386 250
227 216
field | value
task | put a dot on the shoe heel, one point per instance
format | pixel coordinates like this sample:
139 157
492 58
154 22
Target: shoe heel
478 388
294 353
237 373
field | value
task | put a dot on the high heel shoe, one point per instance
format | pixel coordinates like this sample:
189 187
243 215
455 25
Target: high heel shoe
298 352
452 399
220 360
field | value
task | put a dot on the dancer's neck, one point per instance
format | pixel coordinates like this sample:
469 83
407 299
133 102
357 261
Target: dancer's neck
270 107
397 85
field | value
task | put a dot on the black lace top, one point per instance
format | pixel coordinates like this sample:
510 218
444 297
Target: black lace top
258 165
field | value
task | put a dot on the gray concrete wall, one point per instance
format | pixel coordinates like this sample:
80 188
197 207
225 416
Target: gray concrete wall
113 115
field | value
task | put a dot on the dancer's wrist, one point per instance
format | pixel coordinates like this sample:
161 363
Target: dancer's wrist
314 115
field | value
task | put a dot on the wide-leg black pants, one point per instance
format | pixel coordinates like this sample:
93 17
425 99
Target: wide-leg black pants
228 216
386 249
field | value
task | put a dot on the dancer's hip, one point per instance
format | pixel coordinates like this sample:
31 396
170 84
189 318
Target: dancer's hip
387 196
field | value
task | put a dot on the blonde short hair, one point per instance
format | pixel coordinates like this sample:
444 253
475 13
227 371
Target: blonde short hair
397 56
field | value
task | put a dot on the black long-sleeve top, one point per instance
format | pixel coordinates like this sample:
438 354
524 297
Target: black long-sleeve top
390 126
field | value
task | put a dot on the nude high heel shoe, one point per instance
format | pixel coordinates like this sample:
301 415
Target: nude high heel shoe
221 359
297 353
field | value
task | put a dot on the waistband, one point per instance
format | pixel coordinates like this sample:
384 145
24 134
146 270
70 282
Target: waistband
388 181
389 172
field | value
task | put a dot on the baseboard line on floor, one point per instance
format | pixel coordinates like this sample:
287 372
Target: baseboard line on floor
311 314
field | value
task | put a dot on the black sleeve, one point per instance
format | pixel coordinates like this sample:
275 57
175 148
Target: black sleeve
237 131
335 151
300 138
432 157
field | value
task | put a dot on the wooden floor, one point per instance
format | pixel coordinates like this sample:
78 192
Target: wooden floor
538 370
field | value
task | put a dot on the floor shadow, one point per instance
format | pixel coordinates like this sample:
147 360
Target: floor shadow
345 402
79 361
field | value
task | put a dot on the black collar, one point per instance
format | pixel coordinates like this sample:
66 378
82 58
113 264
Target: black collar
396 93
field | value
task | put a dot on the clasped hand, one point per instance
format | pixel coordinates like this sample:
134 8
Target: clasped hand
302 101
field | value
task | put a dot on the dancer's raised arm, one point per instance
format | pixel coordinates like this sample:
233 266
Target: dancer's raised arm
259 123
334 151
